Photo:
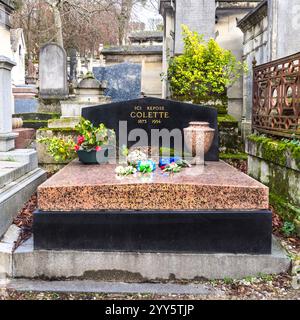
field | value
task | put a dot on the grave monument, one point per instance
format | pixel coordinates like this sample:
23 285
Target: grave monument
19 172
209 209
53 72
52 77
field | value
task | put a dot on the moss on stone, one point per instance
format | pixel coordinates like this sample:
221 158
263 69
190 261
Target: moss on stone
58 129
226 118
35 121
53 115
233 156
64 121
276 151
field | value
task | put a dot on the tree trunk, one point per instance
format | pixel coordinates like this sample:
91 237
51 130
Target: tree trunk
58 26
56 6
124 19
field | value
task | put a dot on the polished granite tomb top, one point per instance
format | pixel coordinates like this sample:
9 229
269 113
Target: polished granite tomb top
217 186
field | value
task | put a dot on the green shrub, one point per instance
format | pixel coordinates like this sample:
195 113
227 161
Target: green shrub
61 150
204 71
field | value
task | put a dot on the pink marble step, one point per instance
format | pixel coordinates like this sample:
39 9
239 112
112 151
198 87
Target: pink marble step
96 187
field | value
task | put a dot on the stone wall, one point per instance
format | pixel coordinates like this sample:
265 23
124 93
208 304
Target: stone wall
284 19
255 27
277 165
230 37
198 15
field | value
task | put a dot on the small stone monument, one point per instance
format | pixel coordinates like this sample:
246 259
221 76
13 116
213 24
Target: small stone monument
31 77
7 137
88 93
53 72
91 91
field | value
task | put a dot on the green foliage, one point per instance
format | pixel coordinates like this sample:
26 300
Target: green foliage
228 281
234 156
284 207
89 75
277 150
288 229
61 150
226 118
17 4
9 159
294 142
92 137
266 277
204 71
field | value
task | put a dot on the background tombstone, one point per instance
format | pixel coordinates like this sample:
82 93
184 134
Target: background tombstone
53 72
124 80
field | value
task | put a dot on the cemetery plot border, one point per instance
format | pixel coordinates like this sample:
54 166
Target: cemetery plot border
211 231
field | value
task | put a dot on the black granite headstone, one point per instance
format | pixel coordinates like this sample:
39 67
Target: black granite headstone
154 113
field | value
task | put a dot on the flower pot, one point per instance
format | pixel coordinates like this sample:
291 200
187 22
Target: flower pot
94 157
199 135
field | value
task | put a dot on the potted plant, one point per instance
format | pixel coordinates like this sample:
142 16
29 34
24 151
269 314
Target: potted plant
91 146
93 142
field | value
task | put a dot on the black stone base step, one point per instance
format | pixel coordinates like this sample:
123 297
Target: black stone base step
243 232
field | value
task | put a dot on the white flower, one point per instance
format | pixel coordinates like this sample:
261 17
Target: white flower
120 170
135 156
125 171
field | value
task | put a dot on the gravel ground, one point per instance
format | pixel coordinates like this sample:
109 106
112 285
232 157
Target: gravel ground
282 287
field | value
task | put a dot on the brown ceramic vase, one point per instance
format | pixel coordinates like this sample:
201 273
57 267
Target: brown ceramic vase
196 134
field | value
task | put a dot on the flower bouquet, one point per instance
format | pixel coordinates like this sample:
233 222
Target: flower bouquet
91 146
139 162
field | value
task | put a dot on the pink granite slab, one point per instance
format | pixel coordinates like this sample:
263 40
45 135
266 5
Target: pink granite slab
96 187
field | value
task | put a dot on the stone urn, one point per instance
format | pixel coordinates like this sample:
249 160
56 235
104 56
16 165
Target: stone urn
199 135
17 123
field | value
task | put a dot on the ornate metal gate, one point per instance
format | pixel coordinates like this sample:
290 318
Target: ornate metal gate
276 97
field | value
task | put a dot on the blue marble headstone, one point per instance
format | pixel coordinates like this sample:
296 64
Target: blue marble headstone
26 105
124 80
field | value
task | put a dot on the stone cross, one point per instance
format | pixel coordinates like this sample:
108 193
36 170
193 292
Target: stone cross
7 137
53 72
